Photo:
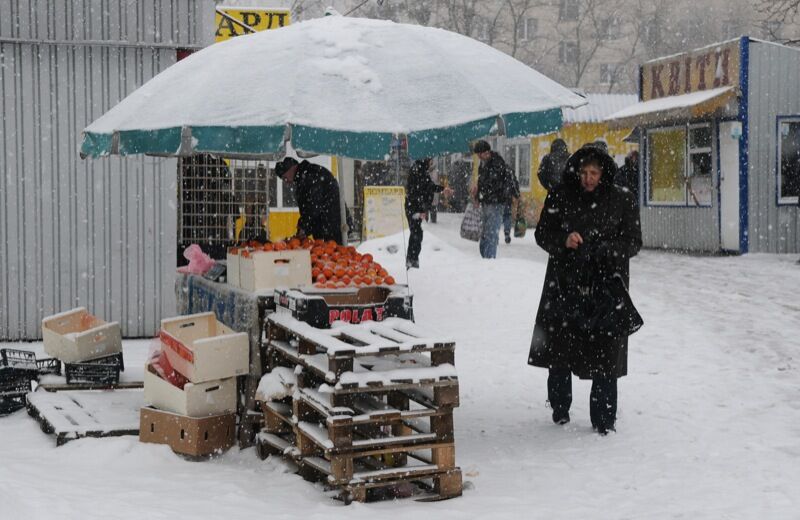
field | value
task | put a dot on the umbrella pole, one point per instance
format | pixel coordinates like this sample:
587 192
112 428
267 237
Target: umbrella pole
342 203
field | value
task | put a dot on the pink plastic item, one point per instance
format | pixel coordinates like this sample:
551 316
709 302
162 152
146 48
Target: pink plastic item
199 262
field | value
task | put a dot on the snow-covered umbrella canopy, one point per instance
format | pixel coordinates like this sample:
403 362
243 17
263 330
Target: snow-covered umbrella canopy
333 85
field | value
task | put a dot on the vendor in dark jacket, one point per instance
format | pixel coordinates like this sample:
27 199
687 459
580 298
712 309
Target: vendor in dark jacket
317 194
420 190
590 228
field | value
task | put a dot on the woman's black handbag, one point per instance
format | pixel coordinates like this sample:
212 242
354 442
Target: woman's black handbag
608 310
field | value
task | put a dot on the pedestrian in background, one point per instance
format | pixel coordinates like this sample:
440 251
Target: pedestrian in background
512 202
552 165
590 228
628 176
420 191
493 190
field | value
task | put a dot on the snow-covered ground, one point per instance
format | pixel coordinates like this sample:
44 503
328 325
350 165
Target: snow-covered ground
708 427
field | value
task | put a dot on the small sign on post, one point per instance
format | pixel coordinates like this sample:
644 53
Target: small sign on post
384 211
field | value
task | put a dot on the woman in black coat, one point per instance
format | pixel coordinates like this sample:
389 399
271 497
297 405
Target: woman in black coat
420 190
590 228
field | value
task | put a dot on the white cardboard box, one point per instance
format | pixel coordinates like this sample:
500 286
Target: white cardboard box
232 269
195 400
76 335
271 269
202 349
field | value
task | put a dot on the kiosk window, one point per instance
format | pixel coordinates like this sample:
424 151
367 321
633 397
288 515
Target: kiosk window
789 167
680 166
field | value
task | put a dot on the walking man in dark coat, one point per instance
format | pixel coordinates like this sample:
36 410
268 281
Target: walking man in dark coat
420 190
590 227
495 186
317 194
628 176
552 165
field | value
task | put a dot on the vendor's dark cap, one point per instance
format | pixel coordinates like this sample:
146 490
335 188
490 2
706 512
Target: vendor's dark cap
481 146
283 166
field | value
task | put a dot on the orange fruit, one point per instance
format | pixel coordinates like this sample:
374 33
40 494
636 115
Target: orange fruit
315 272
294 243
234 251
245 254
367 258
388 280
330 285
378 281
383 273
280 246
328 272
367 280
356 280
321 278
340 271
346 279
268 247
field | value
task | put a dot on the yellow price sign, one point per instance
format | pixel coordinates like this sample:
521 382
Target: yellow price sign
231 22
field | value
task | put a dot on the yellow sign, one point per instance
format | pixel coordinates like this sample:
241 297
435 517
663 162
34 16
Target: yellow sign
232 22
384 211
703 69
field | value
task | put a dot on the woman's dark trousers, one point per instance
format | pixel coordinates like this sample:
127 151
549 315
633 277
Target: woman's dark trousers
602 399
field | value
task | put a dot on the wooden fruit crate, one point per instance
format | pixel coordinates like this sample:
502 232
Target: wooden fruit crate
76 336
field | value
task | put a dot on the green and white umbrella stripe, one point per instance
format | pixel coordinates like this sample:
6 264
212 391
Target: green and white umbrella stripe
336 86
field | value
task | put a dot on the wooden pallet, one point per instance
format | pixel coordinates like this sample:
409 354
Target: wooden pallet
380 367
369 481
372 411
73 414
342 345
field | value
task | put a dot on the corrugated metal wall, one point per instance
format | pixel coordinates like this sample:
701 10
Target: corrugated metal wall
774 90
96 233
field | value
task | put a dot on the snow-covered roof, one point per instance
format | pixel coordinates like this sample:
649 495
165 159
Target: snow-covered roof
600 106
670 107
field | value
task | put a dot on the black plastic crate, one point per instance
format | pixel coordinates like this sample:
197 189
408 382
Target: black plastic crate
13 392
48 366
18 359
113 359
97 373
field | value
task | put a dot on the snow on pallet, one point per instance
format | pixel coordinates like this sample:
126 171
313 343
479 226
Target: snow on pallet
72 414
390 336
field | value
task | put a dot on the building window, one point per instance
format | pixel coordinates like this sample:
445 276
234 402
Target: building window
680 166
608 29
567 53
789 167
526 30
608 72
518 157
568 10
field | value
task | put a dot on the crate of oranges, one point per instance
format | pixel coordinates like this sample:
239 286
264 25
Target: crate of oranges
255 266
298 263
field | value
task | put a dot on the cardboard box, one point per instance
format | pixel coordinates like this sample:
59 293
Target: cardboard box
76 335
203 349
194 400
320 308
188 435
271 269
232 269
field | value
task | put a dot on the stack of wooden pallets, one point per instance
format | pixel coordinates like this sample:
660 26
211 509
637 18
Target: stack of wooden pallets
371 413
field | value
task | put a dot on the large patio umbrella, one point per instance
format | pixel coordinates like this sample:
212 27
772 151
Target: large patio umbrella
336 86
